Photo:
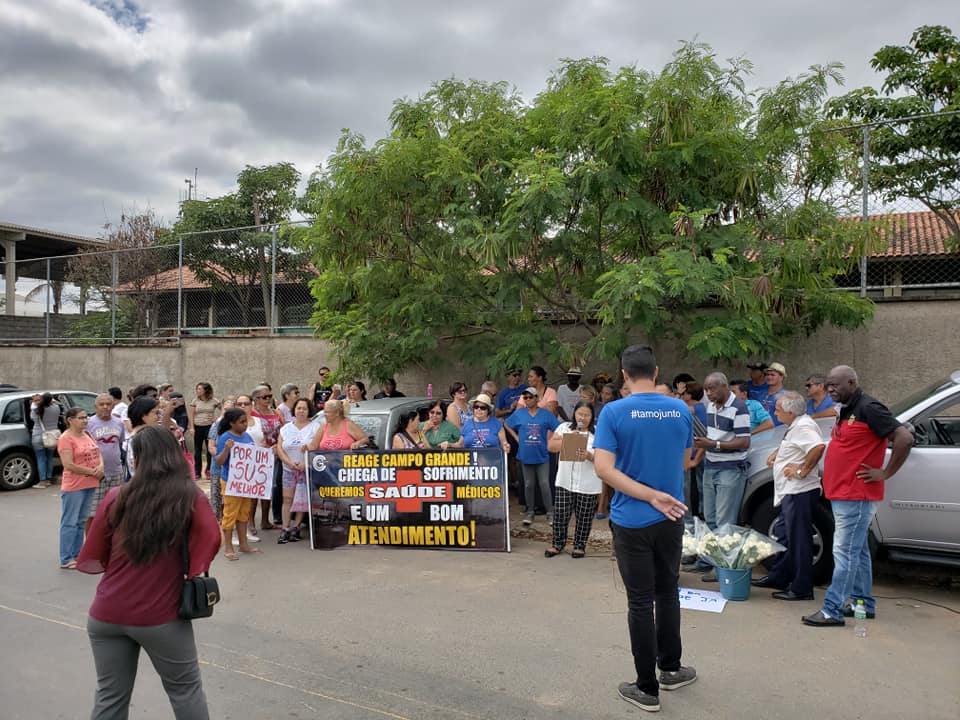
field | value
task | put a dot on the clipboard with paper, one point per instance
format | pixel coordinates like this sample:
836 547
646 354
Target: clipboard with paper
570 444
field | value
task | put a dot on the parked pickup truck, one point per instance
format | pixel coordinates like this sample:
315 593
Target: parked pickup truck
919 518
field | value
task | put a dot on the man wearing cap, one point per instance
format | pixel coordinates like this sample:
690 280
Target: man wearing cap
774 375
757 385
569 395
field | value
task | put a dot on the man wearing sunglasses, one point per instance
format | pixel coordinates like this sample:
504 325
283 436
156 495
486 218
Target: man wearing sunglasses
819 402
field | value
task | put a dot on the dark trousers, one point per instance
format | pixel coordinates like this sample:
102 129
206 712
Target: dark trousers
276 494
793 569
565 503
200 433
649 562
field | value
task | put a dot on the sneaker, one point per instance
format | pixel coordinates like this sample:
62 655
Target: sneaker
528 519
41 485
283 538
293 534
252 538
673 679
635 696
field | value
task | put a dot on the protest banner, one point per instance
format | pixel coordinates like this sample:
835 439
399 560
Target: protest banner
251 472
454 499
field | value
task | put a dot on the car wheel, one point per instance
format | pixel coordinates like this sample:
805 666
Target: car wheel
17 471
764 517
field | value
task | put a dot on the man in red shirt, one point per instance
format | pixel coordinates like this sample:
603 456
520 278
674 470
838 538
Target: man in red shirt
853 477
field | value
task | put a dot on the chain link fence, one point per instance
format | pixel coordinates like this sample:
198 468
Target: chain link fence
232 281
255 280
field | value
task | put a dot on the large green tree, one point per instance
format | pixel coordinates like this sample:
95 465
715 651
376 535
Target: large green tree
917 158
615 203
227 241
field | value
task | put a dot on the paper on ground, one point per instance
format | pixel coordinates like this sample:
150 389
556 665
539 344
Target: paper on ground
705 600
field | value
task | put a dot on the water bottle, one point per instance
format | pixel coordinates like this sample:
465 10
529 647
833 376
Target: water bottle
429 391
860 619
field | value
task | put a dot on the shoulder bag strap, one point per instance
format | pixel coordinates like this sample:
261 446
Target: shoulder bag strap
186 549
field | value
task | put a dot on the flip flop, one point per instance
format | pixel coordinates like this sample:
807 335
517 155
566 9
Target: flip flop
69 565
231 556
251 550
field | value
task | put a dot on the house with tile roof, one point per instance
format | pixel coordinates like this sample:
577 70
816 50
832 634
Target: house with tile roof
921 258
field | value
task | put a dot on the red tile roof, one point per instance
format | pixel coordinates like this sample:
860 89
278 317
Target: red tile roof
167 280
914 234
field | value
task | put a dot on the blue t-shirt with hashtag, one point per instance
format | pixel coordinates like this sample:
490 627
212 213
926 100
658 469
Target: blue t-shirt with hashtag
648 433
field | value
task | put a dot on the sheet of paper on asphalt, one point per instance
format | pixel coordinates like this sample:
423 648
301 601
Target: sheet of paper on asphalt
705 600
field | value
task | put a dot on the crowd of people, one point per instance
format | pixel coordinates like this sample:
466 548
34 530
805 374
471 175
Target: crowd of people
575 449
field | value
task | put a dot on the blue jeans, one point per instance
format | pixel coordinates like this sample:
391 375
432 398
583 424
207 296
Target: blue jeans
74 508
722 494
44 462
852 566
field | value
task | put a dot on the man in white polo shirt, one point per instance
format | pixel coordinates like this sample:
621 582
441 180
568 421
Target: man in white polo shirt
725 462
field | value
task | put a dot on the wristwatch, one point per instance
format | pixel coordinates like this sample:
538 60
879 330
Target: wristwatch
718 445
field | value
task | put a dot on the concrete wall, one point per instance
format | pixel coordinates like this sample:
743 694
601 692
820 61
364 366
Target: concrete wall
907 345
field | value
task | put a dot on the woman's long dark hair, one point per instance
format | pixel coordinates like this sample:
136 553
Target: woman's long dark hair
155 508
140 407
403 420
593 416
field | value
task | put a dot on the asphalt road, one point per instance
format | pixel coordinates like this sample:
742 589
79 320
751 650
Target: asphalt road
375 633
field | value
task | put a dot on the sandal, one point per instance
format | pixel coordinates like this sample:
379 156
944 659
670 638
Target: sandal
69 565
231 556
551 552
577 554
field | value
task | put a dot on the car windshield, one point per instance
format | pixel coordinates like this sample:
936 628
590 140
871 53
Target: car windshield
908 402
370 424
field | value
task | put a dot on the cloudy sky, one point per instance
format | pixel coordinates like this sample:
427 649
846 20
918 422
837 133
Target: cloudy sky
108 105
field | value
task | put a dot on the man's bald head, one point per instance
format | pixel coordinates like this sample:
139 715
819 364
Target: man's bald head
842 383
103 405
717 388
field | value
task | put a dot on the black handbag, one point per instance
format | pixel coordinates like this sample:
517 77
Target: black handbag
199 594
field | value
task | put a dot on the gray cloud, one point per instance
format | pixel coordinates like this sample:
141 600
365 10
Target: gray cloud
116 114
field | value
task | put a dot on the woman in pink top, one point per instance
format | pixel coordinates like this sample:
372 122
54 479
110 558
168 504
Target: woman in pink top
136 541
82 470
537 377
337 433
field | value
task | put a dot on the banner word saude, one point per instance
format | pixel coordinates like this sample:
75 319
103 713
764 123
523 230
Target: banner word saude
414 498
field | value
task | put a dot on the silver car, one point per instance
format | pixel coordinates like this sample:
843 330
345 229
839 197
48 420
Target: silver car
18 467
919 518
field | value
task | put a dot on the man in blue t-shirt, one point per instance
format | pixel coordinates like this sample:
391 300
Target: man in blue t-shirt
532 427
641 448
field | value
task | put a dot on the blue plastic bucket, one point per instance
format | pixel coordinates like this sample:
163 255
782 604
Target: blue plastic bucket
734 584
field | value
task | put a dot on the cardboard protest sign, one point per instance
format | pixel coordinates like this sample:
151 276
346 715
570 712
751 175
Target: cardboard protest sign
251 472
455 499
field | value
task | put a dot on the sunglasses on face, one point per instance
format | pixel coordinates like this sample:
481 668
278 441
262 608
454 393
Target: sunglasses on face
264 397
242 403
480 407
527 397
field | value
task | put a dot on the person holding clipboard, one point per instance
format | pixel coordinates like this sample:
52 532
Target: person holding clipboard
578 487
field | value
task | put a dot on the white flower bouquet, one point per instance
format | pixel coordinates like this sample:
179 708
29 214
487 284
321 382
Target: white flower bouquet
730 546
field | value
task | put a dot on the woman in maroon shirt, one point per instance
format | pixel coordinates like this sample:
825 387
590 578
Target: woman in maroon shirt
136 540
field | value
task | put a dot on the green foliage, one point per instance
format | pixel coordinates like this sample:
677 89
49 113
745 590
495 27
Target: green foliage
615 204
225 245
919 158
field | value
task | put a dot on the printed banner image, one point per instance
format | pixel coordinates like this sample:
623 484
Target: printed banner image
454 499
251 472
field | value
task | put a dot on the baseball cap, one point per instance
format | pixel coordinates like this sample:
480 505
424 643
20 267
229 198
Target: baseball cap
777 367
758 365
530 390
574 371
